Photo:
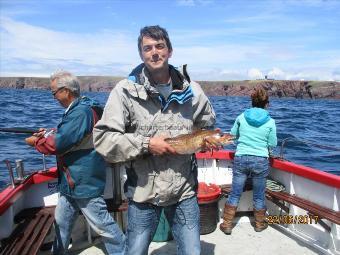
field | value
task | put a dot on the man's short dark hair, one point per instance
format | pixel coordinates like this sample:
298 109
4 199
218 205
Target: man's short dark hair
156 33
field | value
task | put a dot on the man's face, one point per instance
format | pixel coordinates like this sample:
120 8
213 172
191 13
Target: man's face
59 93
155 54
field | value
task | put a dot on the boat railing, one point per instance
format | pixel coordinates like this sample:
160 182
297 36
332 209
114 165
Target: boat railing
19 166
44 162
10 171
20 173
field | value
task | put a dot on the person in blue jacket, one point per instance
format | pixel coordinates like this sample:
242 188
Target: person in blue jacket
81 170
255 131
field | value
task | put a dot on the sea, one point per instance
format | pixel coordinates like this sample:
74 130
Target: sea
308 128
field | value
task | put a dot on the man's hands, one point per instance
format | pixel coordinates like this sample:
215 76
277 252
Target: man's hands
157 146
32 139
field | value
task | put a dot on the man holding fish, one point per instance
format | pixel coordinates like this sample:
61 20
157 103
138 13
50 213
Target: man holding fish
143 114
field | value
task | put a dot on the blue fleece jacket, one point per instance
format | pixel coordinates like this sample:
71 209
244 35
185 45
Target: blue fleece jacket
255 131
86 167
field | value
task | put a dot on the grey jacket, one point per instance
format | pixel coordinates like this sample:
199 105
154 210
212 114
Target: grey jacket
134 112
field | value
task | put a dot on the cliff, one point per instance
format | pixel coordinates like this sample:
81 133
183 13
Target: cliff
88 83
276 88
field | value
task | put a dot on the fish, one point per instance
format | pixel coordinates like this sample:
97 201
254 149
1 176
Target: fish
198 141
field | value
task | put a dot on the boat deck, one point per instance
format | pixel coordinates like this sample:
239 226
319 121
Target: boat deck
244 240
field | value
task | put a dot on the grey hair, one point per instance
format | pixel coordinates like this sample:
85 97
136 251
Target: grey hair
65 79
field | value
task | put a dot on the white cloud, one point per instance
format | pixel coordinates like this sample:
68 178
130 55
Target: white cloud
255 73
27 49
186 2
206 55
33 44
277 74
311 74
229 74
303 74
216 74
193 2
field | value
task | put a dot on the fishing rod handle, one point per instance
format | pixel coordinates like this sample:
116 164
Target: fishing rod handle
19 130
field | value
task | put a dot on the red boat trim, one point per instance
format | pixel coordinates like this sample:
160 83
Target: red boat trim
9 195
40 177
282 165
221 154
307 172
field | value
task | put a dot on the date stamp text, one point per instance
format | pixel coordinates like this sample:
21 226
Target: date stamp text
292 219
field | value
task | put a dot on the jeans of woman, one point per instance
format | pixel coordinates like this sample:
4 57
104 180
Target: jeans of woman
96 214
184 220
249 166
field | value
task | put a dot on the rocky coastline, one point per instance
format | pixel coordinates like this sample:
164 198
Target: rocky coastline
276 88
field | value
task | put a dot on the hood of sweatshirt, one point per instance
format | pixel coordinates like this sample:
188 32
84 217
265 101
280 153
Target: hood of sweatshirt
88 101
256 117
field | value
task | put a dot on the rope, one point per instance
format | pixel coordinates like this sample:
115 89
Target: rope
273 185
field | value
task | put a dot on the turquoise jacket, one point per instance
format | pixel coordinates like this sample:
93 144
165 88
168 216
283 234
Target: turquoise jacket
255 131
82 171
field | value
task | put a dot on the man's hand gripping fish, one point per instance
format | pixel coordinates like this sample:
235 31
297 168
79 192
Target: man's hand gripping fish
199 140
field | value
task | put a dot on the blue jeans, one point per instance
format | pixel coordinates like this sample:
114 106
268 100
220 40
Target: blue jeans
184 220
96 214
249 166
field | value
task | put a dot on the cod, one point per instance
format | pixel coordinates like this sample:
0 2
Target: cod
198 141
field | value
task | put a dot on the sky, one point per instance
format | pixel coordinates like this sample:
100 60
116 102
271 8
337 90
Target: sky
217 39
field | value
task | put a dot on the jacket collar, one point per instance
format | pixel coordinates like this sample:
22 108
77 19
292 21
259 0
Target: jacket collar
141 87
140 78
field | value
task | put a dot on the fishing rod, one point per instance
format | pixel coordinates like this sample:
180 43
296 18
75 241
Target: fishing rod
19 130
284 141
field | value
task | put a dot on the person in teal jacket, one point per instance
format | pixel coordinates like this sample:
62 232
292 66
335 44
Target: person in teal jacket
81 170
255 131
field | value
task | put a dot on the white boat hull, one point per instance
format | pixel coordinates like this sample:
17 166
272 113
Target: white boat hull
40 190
